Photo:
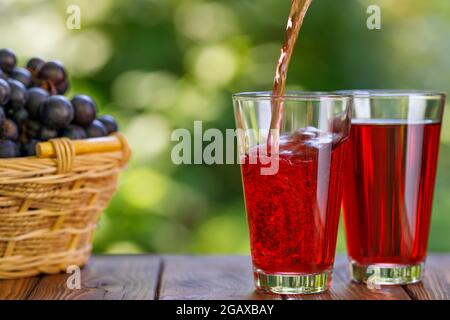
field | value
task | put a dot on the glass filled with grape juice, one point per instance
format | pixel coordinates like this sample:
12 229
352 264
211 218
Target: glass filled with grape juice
292 179
389 183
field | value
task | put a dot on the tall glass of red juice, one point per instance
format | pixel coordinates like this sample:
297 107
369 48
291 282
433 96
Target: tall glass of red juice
389 183
293 185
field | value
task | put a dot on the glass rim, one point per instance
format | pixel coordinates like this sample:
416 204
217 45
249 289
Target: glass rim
394 93
292 96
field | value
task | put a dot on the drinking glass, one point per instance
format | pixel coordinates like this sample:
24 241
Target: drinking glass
389 183
293 186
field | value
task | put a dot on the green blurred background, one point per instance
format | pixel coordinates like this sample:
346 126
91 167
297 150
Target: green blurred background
159 65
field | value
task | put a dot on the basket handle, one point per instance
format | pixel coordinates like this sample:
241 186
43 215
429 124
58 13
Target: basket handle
66 148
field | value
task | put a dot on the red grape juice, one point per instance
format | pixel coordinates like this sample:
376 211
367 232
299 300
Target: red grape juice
389 183
293 215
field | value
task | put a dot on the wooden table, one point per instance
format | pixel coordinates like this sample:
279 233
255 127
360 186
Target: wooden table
206 277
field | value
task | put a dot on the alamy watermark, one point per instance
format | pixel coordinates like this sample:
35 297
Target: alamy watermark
213 146
74 280
73 21
374 19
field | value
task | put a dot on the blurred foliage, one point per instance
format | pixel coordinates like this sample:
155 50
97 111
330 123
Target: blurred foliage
161 64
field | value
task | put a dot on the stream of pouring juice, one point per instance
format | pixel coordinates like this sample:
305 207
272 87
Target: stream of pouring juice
389 183
293 215
295 22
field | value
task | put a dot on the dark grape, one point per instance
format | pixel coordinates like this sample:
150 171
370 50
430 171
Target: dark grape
2 116
32 129
20 115
22 75
8 149
42 113
74 132
36 97
3 75
96 129
9 130
8 60
63 87
56 112
55 76
47 133
84 109
28 149
109 122
9 111
34 64
19 94
5 92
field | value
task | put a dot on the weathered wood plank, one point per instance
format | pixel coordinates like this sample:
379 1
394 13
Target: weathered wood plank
342 288
208 278
436 281
106 277
217 277
18 289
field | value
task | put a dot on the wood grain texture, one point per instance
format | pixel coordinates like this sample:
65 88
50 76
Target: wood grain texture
129 277
18 289
436 281
218 277
208 278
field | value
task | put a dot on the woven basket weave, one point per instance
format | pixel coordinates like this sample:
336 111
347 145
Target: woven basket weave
49 207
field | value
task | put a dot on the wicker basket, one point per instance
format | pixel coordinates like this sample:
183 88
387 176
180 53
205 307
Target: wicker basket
50 204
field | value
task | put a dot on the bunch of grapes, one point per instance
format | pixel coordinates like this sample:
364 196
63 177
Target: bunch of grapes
33 107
